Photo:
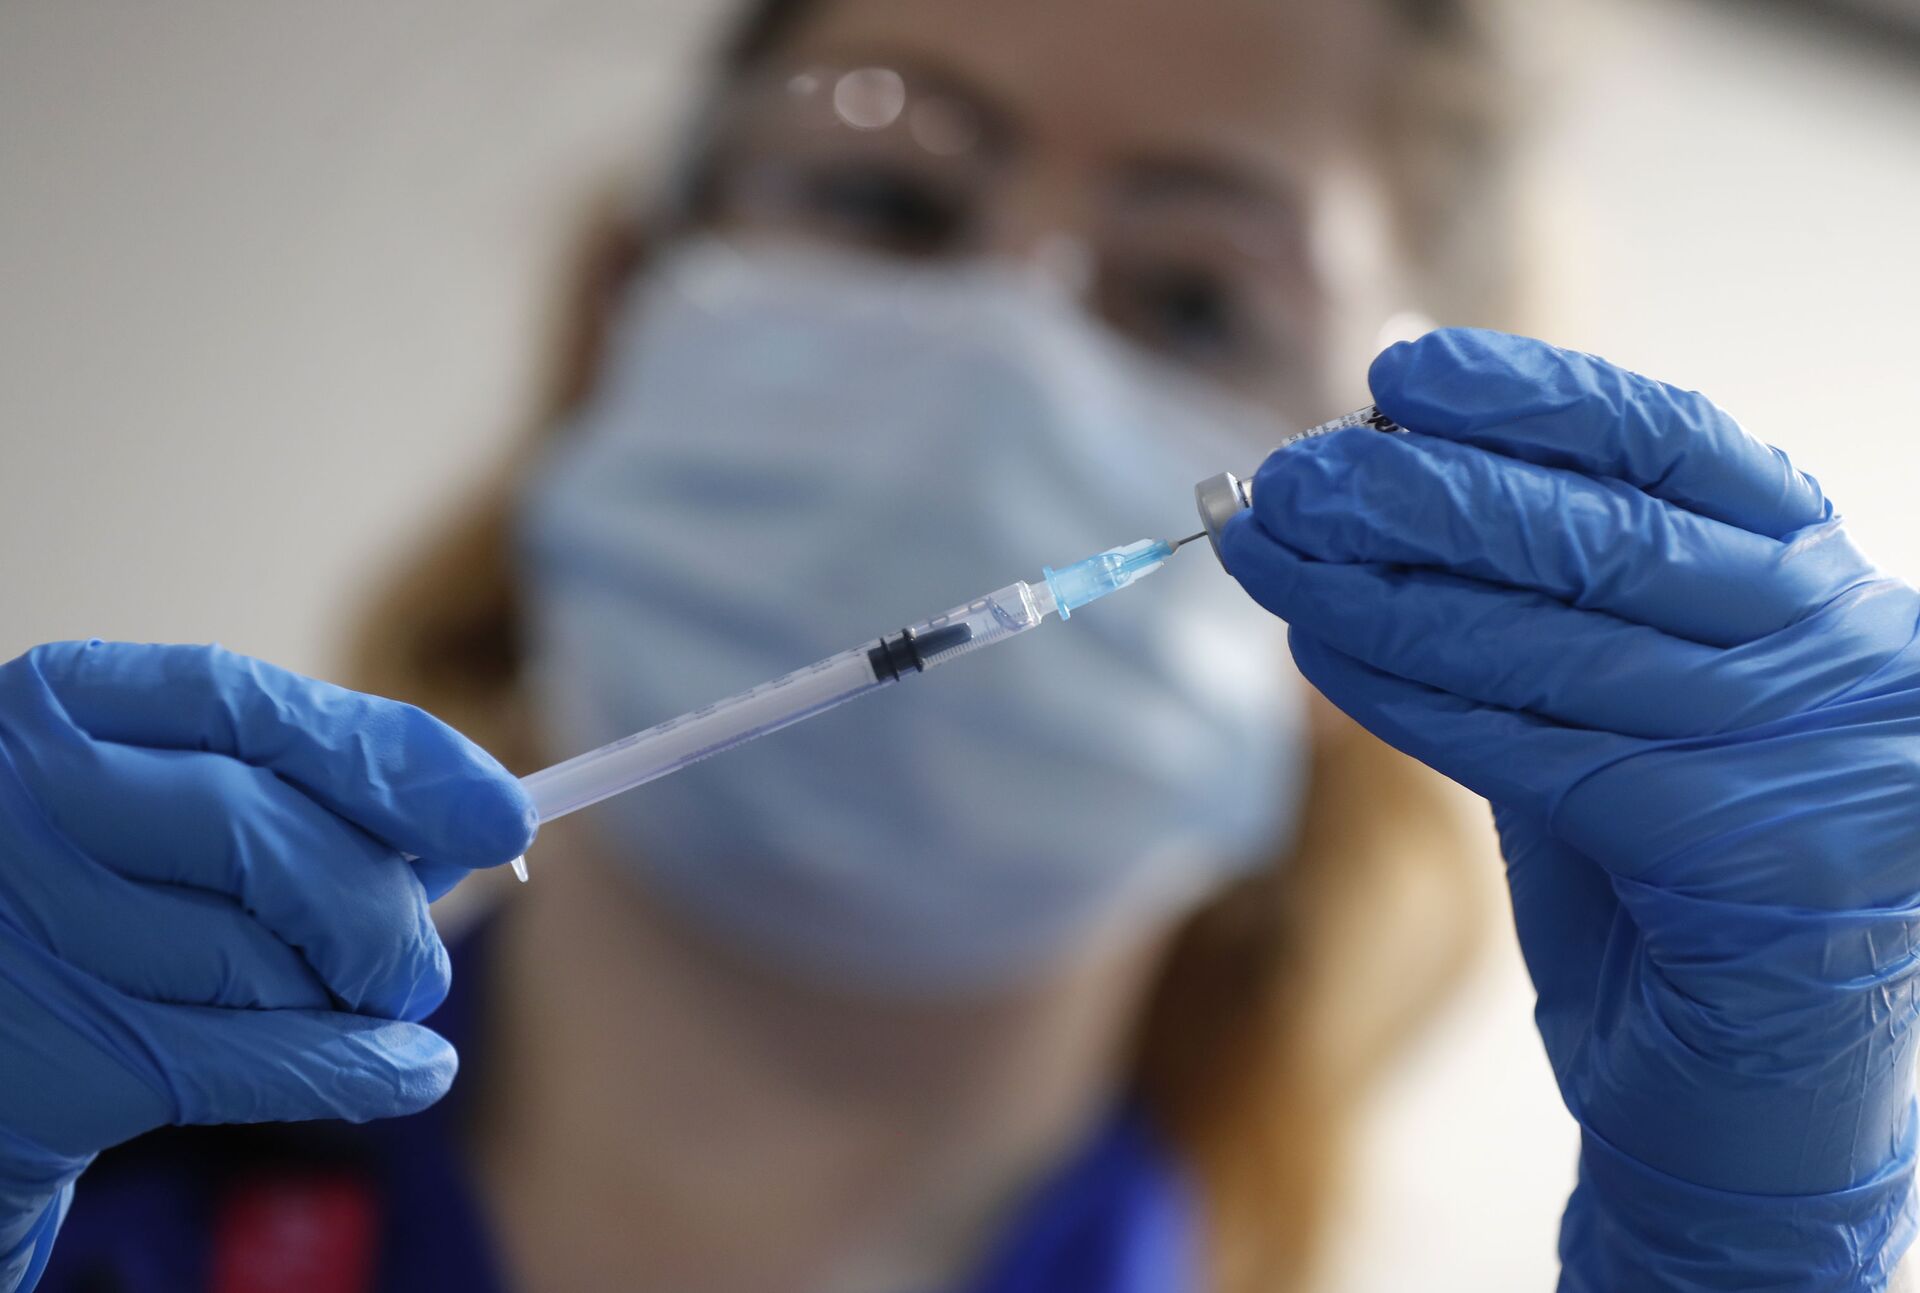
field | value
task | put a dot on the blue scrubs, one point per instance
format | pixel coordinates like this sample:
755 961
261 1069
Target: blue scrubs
389 1207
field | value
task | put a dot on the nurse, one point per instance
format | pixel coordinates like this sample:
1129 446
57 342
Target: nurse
995 985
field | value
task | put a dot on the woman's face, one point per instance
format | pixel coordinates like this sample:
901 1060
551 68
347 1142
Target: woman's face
1173 166
1199 171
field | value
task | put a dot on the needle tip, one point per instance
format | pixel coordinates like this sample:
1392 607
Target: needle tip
1181 543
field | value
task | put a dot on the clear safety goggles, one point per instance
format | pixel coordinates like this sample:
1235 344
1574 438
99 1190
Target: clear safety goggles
1191 262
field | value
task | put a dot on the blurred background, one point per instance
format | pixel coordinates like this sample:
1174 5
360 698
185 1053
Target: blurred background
271 278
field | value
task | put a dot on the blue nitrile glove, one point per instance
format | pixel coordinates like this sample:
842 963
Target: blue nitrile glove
1695 708
204 912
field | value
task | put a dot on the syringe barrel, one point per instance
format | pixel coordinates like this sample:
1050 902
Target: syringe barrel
979 623
672 745
1220 498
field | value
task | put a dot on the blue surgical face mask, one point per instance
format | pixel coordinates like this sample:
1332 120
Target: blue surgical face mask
790 452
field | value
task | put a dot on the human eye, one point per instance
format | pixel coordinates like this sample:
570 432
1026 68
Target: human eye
879 205
1192 313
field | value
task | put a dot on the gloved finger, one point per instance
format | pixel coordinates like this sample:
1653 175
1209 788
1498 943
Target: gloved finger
439 878
87 1068
1524 651
215 953
154 942
1601 545
394 770
1510 758
142 1066
1529 400
295 1065
1497 646
350 905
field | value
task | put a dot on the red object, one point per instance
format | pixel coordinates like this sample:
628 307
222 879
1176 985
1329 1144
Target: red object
295 1234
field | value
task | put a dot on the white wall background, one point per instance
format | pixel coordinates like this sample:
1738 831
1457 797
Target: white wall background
269 275
269 278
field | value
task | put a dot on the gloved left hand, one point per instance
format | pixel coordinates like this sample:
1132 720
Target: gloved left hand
205 913
1695 708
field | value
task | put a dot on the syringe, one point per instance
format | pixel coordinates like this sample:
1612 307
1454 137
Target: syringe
670 746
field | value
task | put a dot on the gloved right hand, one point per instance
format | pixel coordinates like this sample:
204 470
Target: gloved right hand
205 916
1695 708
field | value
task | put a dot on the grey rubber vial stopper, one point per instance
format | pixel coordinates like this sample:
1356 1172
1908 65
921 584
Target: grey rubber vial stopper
1219 498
